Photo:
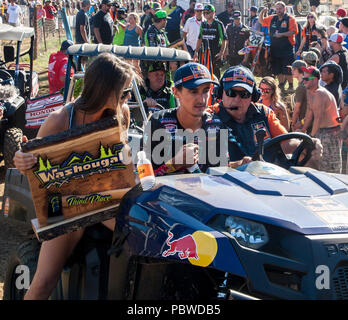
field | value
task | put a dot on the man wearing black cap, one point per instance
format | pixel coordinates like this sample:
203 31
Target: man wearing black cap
189 13
237 34
226 16
155 36
156 92
322 112
57 64
103 24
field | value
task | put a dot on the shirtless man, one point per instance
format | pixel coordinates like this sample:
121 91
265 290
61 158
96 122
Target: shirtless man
322 110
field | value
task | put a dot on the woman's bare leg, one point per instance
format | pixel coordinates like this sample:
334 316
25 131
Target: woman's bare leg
53 256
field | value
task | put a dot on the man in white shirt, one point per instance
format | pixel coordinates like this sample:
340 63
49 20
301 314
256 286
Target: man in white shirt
192 28
14 14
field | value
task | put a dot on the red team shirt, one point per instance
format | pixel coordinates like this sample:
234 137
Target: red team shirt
56 69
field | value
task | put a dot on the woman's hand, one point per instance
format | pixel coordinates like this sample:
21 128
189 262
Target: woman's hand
24 160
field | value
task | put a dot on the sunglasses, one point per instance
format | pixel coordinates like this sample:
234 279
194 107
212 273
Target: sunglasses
126 92
266 90
310 17
308 78
207 12
242 94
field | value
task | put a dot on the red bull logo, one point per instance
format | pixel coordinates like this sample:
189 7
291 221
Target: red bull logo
186 247
200 248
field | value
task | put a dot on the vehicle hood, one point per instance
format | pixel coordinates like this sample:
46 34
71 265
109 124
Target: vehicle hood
311 202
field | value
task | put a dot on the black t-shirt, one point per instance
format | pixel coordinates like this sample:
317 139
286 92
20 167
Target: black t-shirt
225 17
173 138
104 23
236 35
81 20
212 35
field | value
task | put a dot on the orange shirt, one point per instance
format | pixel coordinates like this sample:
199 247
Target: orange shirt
292 26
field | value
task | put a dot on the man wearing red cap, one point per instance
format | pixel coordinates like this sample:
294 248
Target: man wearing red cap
340 55
322 112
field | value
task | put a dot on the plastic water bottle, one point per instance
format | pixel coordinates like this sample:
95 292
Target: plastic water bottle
145 171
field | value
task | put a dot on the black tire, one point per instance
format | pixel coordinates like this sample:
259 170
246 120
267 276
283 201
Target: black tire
302 8
12 142
27 254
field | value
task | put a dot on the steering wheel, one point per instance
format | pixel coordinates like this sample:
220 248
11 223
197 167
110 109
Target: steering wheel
5 77
274 153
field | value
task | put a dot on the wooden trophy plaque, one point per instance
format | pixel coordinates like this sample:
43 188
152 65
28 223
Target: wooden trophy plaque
80 177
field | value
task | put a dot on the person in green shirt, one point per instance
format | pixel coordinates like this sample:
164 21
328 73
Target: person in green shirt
121 23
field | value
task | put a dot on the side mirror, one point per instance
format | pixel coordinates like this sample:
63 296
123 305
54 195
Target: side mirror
9 53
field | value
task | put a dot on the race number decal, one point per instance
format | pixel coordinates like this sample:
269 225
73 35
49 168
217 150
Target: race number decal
255 39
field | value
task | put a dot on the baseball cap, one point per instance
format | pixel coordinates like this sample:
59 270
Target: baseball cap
161 14
309 56
299 64
337 37
192 75
344 21
209 7
106 2
335 69
236 14
156 6
199 6
146 6
86 2
312 70
66 44
238 77
341 12
253 8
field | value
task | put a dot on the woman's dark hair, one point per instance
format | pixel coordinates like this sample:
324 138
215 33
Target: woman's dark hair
105 75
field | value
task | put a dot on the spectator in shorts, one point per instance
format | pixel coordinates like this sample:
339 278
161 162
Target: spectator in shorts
300 96
282 30
322 113
331 73
14 14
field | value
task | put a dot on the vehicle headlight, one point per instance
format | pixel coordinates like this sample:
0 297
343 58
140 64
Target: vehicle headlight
247 233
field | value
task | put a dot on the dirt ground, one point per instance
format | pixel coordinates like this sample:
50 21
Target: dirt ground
11 234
